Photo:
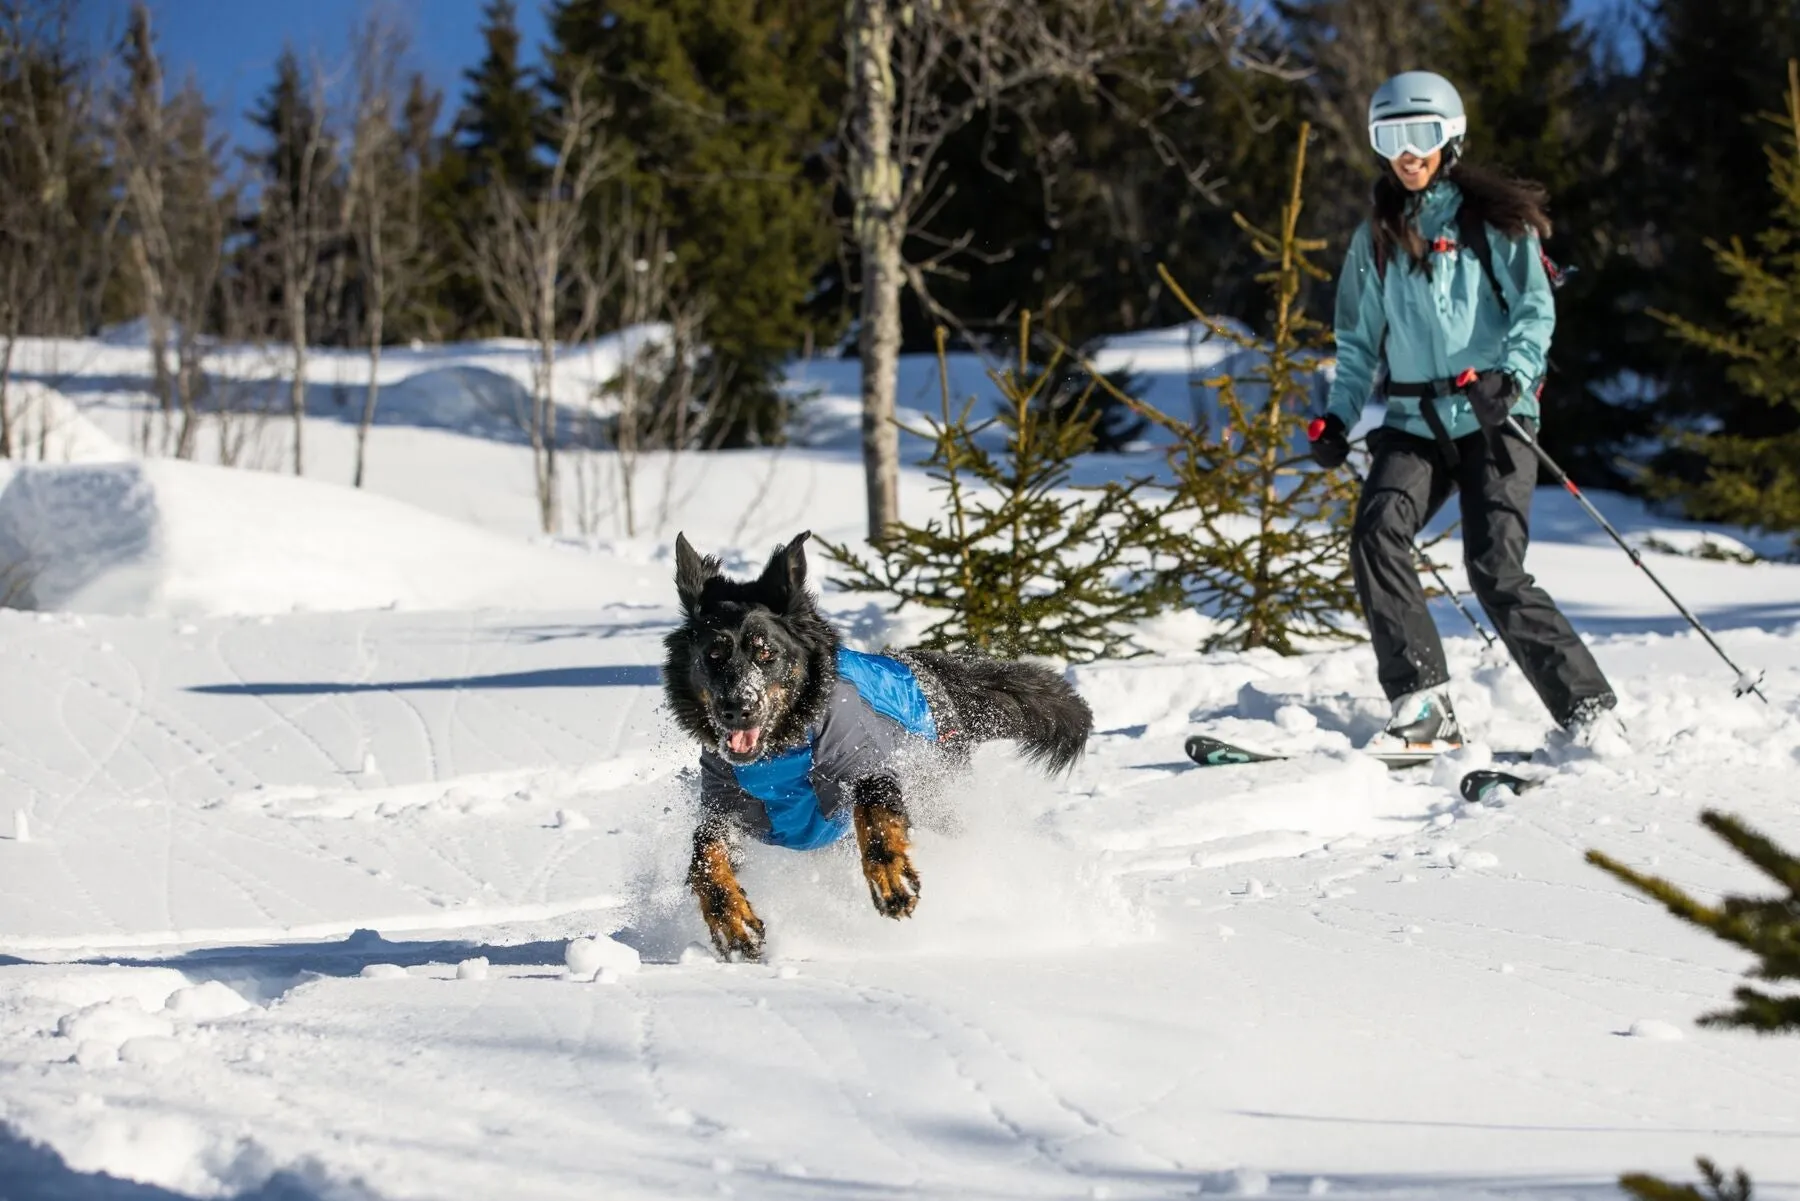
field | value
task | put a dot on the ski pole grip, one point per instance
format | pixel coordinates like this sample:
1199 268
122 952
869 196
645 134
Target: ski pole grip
1314 429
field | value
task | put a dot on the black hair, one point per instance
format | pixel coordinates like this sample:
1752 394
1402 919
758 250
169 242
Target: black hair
1512 206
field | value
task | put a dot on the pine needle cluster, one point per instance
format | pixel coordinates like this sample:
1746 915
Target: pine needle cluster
1254 534
1750 476
1019 562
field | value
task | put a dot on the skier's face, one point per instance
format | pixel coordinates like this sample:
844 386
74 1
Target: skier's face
1414 172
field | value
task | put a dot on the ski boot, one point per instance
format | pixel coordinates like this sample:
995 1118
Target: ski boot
1592 725
1423 721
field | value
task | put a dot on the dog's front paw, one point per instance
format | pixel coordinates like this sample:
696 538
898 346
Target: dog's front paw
736 930
886 863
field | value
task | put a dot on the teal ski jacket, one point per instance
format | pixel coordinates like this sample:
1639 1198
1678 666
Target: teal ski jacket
1438 324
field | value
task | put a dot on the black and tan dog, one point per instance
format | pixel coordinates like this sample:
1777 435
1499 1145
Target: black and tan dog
803 740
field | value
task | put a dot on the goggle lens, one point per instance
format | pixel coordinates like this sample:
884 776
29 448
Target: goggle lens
1391 139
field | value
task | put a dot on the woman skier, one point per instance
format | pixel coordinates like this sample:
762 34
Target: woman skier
1444 306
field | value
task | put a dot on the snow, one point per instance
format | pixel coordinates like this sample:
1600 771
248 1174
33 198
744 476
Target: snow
350 843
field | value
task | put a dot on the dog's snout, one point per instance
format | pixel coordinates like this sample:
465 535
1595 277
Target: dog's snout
732 711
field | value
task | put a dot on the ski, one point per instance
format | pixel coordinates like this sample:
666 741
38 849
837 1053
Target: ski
1486 783
1212 752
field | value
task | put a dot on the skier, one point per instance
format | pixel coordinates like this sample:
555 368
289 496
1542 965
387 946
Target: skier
1444 296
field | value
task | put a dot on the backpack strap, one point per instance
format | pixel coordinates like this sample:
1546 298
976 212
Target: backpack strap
1471 231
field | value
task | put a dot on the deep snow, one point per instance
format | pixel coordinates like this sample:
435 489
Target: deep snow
382 898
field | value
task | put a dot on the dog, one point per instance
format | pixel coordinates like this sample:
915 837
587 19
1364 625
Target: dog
801 737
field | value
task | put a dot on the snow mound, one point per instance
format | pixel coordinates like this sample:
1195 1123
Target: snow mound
51 428
585 958
174 538
113 1022
70 531
206 1002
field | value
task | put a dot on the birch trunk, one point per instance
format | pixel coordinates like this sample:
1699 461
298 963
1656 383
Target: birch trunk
880 226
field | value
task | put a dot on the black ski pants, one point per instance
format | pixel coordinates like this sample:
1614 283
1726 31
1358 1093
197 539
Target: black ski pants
1408 482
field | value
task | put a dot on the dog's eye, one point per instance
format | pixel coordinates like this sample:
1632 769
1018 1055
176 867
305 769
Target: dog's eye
716 651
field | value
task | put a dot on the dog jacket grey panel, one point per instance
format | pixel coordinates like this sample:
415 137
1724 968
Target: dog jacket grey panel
799 799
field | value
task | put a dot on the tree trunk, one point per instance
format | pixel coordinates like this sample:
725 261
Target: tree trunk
549 500
157 320
880 226
6 421
543 417
297 388
377 314
189 374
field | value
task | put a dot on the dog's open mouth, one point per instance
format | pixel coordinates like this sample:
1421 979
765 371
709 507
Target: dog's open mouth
745 741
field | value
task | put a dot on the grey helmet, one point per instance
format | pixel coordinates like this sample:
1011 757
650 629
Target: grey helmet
1417 93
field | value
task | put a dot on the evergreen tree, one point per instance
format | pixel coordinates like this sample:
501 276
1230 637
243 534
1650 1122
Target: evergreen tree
495 139
419 312
720 109
1752 477
501 121
1710 67
1257 538
287 117
1019 563
1066 392
1517 64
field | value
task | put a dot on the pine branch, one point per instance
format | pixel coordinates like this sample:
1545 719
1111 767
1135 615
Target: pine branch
1718 1187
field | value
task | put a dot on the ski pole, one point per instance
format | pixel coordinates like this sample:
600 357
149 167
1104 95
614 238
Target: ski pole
1745 682
1450 592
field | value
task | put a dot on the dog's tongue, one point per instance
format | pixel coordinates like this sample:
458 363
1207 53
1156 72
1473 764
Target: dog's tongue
742 742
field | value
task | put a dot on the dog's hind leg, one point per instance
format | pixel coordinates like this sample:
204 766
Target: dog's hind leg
881 836
734 926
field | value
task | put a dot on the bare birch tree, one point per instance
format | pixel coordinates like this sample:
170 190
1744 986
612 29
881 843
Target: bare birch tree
297 216
52 258
175 210
921 72
374 196
139 147
526 253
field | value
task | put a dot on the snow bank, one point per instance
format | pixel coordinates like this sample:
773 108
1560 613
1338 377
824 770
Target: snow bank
174 538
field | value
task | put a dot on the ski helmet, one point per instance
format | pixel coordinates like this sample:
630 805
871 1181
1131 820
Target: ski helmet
1419 94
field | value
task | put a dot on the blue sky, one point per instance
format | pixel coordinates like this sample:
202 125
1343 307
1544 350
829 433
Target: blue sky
232 45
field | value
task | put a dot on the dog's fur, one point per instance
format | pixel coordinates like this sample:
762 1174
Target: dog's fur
752 666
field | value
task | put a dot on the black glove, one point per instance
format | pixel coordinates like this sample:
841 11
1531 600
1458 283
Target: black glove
1330 443
1492 395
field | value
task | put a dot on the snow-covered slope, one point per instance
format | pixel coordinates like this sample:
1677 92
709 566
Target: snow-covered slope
288 906
172 538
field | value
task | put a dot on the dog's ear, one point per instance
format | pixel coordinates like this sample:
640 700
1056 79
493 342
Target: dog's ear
784 579
691 574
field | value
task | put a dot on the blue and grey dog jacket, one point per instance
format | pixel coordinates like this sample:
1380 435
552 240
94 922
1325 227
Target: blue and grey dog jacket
799 799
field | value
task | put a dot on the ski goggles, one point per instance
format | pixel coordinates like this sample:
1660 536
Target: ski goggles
1421 135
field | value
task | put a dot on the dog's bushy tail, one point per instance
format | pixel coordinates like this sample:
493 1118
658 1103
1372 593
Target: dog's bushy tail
1029 704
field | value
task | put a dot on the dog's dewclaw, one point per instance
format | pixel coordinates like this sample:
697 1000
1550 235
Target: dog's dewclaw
734 926
893 881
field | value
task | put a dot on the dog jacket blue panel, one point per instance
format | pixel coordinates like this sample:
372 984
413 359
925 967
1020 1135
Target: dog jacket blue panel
798 799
